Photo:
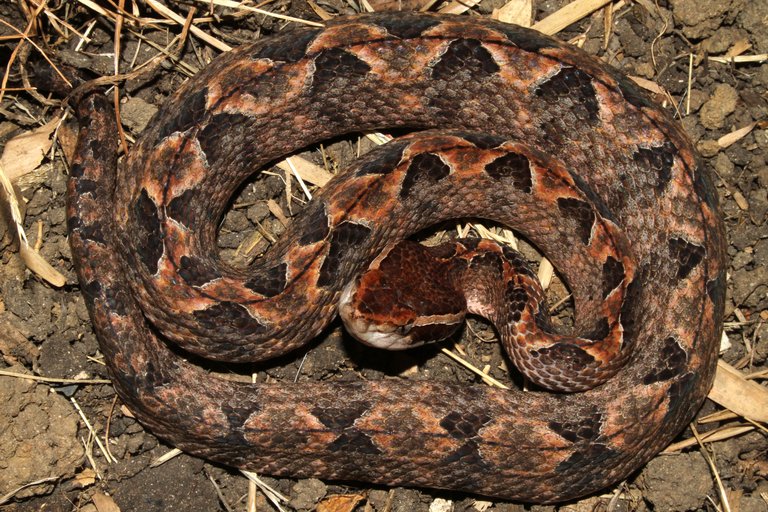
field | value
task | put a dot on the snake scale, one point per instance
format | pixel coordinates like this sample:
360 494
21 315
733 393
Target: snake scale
585 148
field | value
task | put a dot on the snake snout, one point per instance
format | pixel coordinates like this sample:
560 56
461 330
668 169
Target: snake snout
379 335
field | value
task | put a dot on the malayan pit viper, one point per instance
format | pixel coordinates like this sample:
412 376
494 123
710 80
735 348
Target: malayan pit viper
538 132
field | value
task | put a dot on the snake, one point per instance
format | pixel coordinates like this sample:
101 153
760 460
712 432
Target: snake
502 123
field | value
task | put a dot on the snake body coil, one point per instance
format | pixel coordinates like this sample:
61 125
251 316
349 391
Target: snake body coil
140 240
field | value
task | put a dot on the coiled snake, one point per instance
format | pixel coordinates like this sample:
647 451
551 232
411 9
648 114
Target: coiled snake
638 238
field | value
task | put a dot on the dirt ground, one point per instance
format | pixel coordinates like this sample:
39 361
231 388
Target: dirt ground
45 331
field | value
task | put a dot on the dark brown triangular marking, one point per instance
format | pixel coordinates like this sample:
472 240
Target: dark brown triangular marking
386 159
683 385
219 136
464 425
483 140
512 166
193 110
149 241
197 272
658 161
467 56
407 26
468 455
716 290
93 231
314 223
229 314
686 254
345 238
336 64
599 331
671 363
526 39
573 88
630 90
703 186
85 186
270 282
571 358
425 168
342 416
179 209
613 275
585 430
594 453
630 308
354 441
581 214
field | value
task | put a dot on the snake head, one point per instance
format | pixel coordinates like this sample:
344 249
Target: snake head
401 302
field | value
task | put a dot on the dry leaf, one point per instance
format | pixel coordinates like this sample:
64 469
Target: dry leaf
741 201
441 505
85 478
322 13
736 135
275 210
6 129
519 12
308 171
648 85
67 137
340 503
738 48
25 152
482 505
545 273
744 397
104 503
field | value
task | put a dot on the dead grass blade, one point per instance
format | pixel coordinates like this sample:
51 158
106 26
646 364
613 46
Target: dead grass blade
53 380
741 59
7 497
715 473
474 369
719 434
568 15
245 7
